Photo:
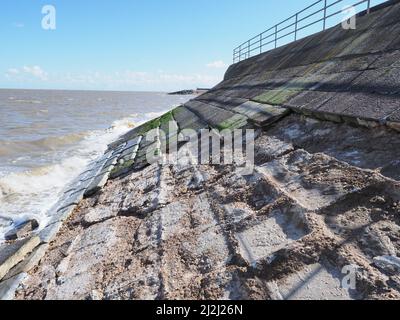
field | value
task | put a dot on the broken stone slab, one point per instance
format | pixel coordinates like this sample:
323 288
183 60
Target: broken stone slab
10 286
30 262
12 254
23 230
388 264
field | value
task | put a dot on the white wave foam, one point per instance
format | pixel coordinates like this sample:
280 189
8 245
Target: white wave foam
31 194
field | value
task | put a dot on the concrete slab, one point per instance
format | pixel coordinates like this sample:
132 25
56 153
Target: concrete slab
186 119
261 114
12 254
370 107
269 236
63 214
30 262
347 64
337 82
276 97
128 153
212 115
73 197
371 40
387 59
310 100
314 282
225 102
48 234
383 81
98 182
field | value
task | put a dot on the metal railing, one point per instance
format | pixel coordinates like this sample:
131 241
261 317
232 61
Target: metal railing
291 26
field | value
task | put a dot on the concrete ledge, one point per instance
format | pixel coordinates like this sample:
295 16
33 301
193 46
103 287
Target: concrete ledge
12 254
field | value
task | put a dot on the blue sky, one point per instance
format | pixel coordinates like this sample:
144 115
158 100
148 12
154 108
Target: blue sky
129 44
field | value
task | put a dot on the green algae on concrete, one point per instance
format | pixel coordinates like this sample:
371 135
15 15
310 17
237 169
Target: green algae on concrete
236 122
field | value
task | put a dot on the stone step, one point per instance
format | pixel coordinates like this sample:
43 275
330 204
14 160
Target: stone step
261 114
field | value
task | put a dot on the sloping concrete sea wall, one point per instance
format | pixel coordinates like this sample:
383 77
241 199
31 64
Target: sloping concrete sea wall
340 76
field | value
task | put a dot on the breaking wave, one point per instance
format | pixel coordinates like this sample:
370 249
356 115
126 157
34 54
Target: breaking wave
30 194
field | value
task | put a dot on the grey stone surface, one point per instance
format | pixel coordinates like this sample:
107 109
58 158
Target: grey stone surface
30 262
23 230
72 197
98 182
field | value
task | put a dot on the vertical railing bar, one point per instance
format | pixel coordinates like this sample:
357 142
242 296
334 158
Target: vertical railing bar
325 14
260 43
369 6
276 36
295 27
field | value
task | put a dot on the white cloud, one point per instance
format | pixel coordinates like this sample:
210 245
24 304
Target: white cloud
118 80
219 64
35 71
27 72
19 25
129 79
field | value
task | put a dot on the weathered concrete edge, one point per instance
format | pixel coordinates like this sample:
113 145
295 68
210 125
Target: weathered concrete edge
339 118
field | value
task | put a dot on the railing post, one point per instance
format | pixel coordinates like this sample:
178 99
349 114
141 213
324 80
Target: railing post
295 27
260 43
248 49
369 7
276 36
325 3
